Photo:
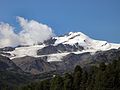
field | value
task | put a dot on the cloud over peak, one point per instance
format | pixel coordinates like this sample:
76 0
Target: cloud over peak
32 33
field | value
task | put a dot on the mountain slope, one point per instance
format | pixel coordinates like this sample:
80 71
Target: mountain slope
8 65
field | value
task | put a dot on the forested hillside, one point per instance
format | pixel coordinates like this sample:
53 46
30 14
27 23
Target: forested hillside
101 77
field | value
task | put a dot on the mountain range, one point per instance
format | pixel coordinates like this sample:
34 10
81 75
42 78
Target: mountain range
60 53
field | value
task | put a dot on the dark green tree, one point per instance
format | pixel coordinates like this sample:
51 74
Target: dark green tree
77 76
68 82
43 85
57 83
100 78
84 80
102 66
46 85
78 68
77 80
91 77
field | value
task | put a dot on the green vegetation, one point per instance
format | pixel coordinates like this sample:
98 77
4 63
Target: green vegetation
104 77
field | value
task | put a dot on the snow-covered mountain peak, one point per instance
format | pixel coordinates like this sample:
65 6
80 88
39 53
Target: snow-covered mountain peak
83 40
73 38
77 34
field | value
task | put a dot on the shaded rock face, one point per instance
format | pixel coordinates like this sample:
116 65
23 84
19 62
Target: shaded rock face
47 50
34 65
59 48
50 41
69 62
106 56
7 64
69 48
86 59
39 65
7 49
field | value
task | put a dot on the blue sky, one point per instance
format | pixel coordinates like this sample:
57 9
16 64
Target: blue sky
99 19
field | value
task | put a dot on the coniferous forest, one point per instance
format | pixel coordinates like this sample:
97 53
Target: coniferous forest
102 77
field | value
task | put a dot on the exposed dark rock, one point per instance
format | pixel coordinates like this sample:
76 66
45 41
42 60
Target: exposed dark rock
119 48
50 41
68 48
106 56
59 48
47 50
71 60
7 49
7 64
40 64
34 65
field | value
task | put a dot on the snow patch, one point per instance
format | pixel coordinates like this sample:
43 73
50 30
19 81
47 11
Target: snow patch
56 57
26 51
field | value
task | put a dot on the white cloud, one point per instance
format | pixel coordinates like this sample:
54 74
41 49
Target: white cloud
7 36
32 33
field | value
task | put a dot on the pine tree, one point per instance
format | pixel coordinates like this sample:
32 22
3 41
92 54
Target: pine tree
57 83
84 80
46 85
77 77
102 66
78 68
68 82
100 78
77 80
91 78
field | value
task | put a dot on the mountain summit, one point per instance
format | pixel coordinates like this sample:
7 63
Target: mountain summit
83 40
